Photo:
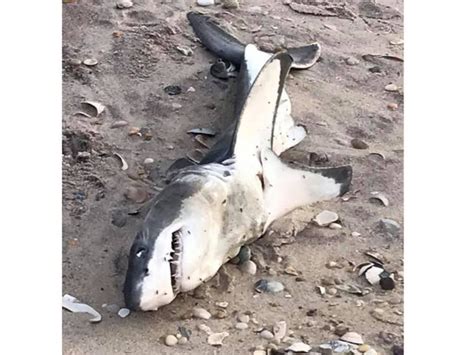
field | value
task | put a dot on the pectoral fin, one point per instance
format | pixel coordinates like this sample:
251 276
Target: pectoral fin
286 188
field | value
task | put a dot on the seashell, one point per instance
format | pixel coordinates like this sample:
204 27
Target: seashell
90 62
353 338
216 339
299 347
391 87
123 161
269 286
279 330
123 312
325 218
205 2
173 90
204 131
359 144
379 196
199 312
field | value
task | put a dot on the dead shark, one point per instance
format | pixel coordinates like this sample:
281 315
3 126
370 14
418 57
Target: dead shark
200 220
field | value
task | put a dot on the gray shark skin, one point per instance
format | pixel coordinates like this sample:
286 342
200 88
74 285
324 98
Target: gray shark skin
208 211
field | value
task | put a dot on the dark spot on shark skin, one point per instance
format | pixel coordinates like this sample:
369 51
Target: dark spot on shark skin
189 277
241 209
304 176
223 202
226 173
342 175
157 292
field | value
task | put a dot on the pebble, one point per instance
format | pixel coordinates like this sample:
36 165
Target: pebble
176 106
204 328
266 334
185 50
392 106
83 156
172 90
123 312
136 194
370 352
220 314
182 340
363 348
326 217
249 267
356 234
333 265
397 42
201 313
216 339
222 304
279 330
241 326
230 4
341 329
299 347
191 89
259 352
353 338
90 62
119 124
312 312
124 4
352 61
391 87
171 340
112 308
335 226
390 226
378 311
75 61
290 270
359 144
205 2
243 318
311 323
269 286
332 291
244 254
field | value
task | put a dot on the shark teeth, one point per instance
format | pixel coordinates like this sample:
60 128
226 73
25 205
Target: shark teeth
175 270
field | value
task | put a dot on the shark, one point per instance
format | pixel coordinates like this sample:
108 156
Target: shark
208 211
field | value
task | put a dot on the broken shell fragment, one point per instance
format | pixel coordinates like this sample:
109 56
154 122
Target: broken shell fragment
391 87
216 339
204 131
173 90
123 312
379 196
72 304
124 4
135 131
299 347
377 154
325 218
91 109
353 338
195 156
269 286
122 160
185 50
90 62
359 144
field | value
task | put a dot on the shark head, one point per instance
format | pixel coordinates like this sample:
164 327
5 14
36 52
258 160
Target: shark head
176 249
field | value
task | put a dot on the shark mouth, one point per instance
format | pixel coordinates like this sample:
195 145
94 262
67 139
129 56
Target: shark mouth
175 262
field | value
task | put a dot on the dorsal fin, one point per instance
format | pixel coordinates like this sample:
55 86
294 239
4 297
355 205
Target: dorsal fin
255 121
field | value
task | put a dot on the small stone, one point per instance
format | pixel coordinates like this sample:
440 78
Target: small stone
241 326
230 4
335 226
329 327
332 291
259 352
355 234
392 106
249 267
341 329
204 328
171 340
391 87
279 330
352 338
136 194
311 323
75 61
333 265
220 314
370 352
83 156
134 131
325 218
176 106
312 312
269 286
243 318
244 254
378 311
148 161
201 313
182 340
299 347
90 62
359 144
363 348
290 270
266 334
375 69
396 42
123 312
390 226
216 339
124 4
119 124
222 304
172 90
205 2
352 61
191 89
185 50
